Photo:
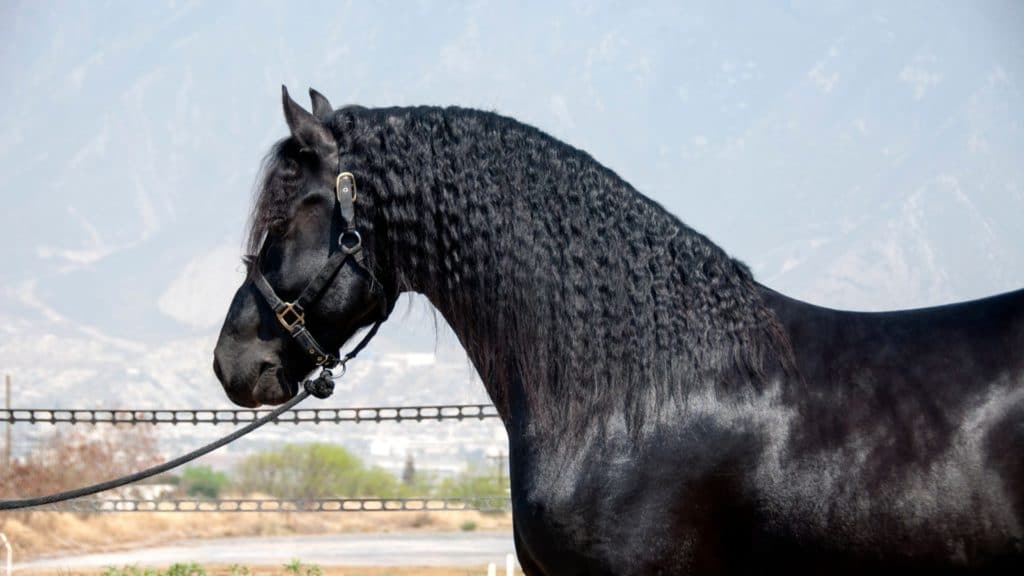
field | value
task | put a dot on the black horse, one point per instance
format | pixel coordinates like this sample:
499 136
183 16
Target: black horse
665 412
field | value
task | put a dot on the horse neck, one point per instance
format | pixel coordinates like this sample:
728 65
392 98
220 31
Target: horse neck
572 294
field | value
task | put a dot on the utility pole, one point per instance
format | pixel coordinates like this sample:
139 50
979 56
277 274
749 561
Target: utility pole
7 433
501 458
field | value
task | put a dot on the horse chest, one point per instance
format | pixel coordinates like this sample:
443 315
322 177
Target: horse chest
591 530
605 510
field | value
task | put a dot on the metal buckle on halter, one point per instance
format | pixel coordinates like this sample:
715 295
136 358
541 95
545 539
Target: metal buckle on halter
298 316
339 188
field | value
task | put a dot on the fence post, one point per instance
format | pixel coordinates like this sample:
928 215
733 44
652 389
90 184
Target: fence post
7 433
10 554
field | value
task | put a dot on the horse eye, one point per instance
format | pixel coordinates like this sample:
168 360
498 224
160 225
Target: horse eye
308 155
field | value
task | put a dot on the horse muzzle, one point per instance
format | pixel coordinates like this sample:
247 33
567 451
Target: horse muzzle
273 386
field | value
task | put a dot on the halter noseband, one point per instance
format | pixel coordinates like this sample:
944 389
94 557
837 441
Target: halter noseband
292 315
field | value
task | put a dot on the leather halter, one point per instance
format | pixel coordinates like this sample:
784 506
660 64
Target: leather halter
292 315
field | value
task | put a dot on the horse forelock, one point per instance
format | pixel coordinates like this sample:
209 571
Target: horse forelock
274 190
271 195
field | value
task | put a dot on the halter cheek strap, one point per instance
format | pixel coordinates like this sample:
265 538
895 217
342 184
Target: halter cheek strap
292 315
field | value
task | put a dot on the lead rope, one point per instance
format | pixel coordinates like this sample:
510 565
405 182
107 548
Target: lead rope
313 386
321 386
291 316
169 465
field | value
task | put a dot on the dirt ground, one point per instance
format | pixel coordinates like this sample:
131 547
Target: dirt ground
35 534
326 571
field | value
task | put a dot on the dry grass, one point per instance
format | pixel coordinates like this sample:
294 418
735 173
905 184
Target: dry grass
35 534
74 458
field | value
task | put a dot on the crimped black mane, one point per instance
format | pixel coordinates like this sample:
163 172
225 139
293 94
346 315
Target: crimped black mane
592 288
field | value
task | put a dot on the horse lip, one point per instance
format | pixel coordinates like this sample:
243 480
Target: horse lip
273 386
243 401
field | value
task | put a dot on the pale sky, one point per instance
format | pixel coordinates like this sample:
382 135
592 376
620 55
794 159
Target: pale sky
860 155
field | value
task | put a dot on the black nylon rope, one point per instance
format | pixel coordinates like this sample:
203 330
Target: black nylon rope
153 471
322 386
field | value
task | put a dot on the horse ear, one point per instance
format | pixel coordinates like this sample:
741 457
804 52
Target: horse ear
306 128
321 106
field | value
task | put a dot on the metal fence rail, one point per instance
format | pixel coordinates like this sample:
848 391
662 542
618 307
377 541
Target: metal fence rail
480 504
238 416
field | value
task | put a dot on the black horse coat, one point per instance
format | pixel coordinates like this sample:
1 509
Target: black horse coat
666 413
899 450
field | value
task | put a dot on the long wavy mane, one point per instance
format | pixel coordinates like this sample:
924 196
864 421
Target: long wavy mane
557 274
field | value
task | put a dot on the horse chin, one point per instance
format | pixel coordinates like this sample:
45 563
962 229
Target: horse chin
274 387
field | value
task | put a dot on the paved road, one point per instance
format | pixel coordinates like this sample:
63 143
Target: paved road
413 549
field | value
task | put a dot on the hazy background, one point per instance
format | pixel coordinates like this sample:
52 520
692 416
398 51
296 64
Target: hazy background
864 155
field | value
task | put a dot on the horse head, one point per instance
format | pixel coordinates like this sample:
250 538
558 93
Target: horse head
309 285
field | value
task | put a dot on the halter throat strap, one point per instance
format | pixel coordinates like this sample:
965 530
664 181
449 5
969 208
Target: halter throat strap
292 315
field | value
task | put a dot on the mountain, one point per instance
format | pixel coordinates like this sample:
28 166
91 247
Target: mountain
864 156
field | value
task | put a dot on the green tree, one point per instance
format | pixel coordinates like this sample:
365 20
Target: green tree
202 481
474 482
314 471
